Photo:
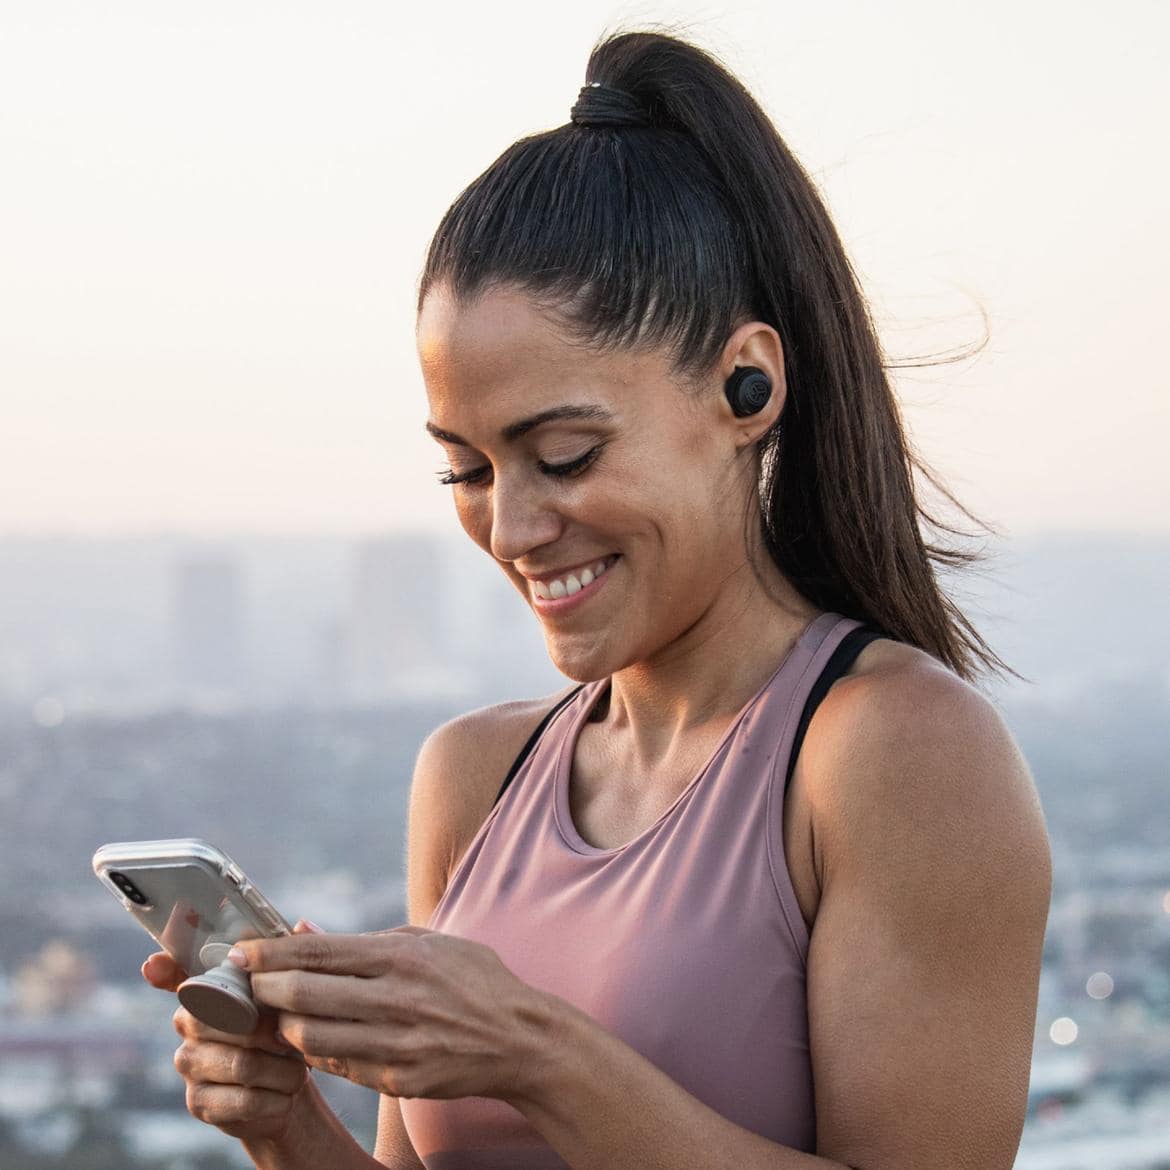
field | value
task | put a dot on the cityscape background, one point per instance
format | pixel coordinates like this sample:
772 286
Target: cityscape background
233 602
270 695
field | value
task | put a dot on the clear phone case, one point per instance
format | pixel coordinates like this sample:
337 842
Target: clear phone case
189 896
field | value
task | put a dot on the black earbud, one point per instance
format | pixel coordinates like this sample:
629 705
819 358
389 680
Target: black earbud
748 390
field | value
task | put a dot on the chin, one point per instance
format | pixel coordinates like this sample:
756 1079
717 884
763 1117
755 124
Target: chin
581 659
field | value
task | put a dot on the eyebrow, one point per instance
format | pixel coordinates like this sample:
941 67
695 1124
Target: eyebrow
514 431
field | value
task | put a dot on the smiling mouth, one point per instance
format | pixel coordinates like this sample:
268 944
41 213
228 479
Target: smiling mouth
571 583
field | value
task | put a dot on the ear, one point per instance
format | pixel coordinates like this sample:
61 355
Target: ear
753 343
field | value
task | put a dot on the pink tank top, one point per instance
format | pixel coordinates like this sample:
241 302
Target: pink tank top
686 942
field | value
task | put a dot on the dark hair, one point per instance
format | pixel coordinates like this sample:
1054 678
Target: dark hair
674 232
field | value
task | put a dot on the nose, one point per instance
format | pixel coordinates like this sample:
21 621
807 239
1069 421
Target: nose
523 518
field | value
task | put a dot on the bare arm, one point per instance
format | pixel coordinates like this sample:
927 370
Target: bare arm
430 835
924 962
316 1138
923 965
458 772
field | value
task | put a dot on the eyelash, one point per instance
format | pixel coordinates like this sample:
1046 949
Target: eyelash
559 470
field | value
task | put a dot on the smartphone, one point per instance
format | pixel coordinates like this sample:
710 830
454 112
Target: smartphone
189 896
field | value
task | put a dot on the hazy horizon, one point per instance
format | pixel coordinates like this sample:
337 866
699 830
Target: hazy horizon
443 528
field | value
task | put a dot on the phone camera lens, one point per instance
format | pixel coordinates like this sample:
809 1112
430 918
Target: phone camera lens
128 888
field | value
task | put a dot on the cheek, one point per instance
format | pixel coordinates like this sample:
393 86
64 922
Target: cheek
475 516
672 495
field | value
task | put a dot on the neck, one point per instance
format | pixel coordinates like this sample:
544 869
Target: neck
702 679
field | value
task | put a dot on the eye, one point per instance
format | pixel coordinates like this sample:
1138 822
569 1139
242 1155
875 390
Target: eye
448 476
574 465
476 476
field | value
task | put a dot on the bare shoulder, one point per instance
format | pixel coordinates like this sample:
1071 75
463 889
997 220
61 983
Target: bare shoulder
457 774
479 741
902 738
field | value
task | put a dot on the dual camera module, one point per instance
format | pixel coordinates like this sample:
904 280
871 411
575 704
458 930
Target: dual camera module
129 888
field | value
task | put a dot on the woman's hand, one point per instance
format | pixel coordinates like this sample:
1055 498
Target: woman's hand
246 1085
408 1012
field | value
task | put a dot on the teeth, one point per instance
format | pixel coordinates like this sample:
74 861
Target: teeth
554 590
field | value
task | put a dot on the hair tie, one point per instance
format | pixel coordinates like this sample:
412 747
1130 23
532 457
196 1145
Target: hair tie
603 105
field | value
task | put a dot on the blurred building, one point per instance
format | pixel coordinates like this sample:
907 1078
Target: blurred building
208 625
396 644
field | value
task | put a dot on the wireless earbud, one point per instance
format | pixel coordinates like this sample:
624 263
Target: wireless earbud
748 390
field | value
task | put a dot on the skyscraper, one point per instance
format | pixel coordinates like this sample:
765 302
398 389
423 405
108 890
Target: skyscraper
207 615
396 641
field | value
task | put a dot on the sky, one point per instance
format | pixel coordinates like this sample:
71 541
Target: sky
213 217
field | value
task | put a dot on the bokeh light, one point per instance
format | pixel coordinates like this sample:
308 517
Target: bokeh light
1100 985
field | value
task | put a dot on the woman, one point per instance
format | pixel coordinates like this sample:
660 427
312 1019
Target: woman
769 888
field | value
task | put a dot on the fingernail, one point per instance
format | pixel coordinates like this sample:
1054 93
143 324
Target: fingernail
308 924
238 957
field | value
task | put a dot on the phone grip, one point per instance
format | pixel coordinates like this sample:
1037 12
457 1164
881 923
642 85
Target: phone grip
221 998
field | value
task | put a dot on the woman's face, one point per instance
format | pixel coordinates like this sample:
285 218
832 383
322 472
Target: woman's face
611 496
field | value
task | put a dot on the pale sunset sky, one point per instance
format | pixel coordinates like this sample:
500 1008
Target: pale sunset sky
212 219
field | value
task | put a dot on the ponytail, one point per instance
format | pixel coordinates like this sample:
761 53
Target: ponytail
674 231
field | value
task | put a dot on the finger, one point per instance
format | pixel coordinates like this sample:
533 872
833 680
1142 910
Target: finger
319 1039
263 1036
233 1104
161 971
345 997
337 954
353 1051
225 1064
370 1073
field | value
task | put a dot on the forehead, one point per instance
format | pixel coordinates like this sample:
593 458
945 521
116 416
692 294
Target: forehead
501 347
497 331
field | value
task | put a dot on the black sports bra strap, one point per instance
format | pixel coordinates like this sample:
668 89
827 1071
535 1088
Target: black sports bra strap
839 662
526 750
